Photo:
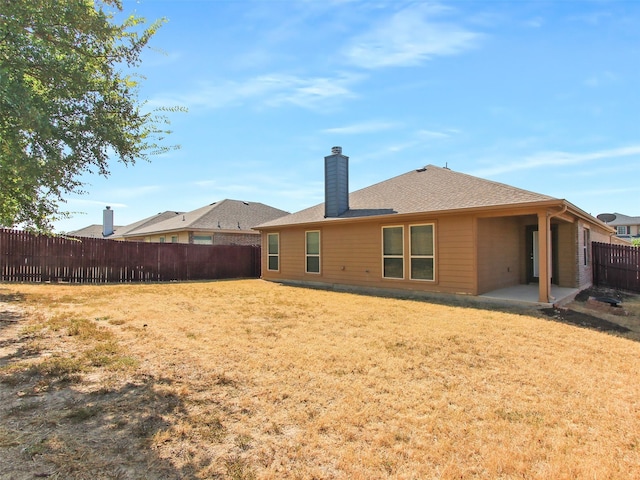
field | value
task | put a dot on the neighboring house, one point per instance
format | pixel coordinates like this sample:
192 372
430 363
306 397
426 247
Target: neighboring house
432 230
227 222
626 227
114 232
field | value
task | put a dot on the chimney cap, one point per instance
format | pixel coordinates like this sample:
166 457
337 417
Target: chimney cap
108 207
336 150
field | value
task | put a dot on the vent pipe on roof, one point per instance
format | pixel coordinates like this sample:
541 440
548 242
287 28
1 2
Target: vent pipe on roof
336 183
107 222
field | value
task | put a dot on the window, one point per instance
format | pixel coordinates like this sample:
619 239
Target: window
273 251
622 230
161 239
313 252
174 239
392 252
585 245
422 252
203 240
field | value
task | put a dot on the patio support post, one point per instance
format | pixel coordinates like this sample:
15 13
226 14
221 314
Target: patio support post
544 256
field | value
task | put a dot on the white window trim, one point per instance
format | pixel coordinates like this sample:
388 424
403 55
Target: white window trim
626 231
393 256
269 255
307 254
433 256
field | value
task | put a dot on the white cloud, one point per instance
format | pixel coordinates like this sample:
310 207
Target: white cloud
535 22
271 90
357 128
410 37
431 134
599 80
557 159
205 183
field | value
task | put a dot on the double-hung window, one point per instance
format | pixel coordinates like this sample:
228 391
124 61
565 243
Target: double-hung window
393 252
312 251
273 251
422 252
623 230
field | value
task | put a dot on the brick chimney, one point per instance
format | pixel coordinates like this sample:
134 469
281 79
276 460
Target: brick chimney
107 222
336 183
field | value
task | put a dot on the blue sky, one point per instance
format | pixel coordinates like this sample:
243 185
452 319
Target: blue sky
540 95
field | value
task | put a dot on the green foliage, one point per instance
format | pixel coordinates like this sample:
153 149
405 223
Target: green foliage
636 242
66 105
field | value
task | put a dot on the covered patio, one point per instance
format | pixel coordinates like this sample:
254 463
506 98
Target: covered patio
529 294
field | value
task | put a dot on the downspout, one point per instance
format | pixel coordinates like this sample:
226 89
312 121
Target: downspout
549 269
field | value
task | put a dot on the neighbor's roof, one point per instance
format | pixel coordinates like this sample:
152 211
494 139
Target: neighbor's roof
227 215
429 189
619 219
148 222
92 231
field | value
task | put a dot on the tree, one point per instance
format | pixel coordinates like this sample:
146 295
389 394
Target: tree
67 106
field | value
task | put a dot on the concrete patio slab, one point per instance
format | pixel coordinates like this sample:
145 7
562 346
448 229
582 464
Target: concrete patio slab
529 294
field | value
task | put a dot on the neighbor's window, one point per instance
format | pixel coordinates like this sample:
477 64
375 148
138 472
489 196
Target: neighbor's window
174 239
622 230
422 252
203 240
313 252
392 252
273 251
161 239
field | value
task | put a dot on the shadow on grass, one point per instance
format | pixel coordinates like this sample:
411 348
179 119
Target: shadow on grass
61 417
59 432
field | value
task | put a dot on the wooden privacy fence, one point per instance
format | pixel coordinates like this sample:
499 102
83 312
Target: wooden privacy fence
25 257
616 266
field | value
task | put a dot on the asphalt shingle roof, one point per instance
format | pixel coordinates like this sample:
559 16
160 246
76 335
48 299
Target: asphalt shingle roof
132 228
92 231
429 189
227 215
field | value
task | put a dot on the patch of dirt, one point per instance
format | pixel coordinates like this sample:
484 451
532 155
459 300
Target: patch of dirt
593 308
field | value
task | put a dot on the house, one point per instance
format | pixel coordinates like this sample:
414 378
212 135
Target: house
227 222
108 230
432 230
626 227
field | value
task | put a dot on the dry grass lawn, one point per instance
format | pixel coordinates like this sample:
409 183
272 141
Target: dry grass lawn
249 379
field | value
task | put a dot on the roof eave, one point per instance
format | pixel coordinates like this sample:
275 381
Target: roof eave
518 208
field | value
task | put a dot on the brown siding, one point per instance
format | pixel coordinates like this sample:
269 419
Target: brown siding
500 251
351 254
475 253
567 250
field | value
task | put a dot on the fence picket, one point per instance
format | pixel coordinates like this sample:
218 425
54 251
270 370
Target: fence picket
616 266
25 257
